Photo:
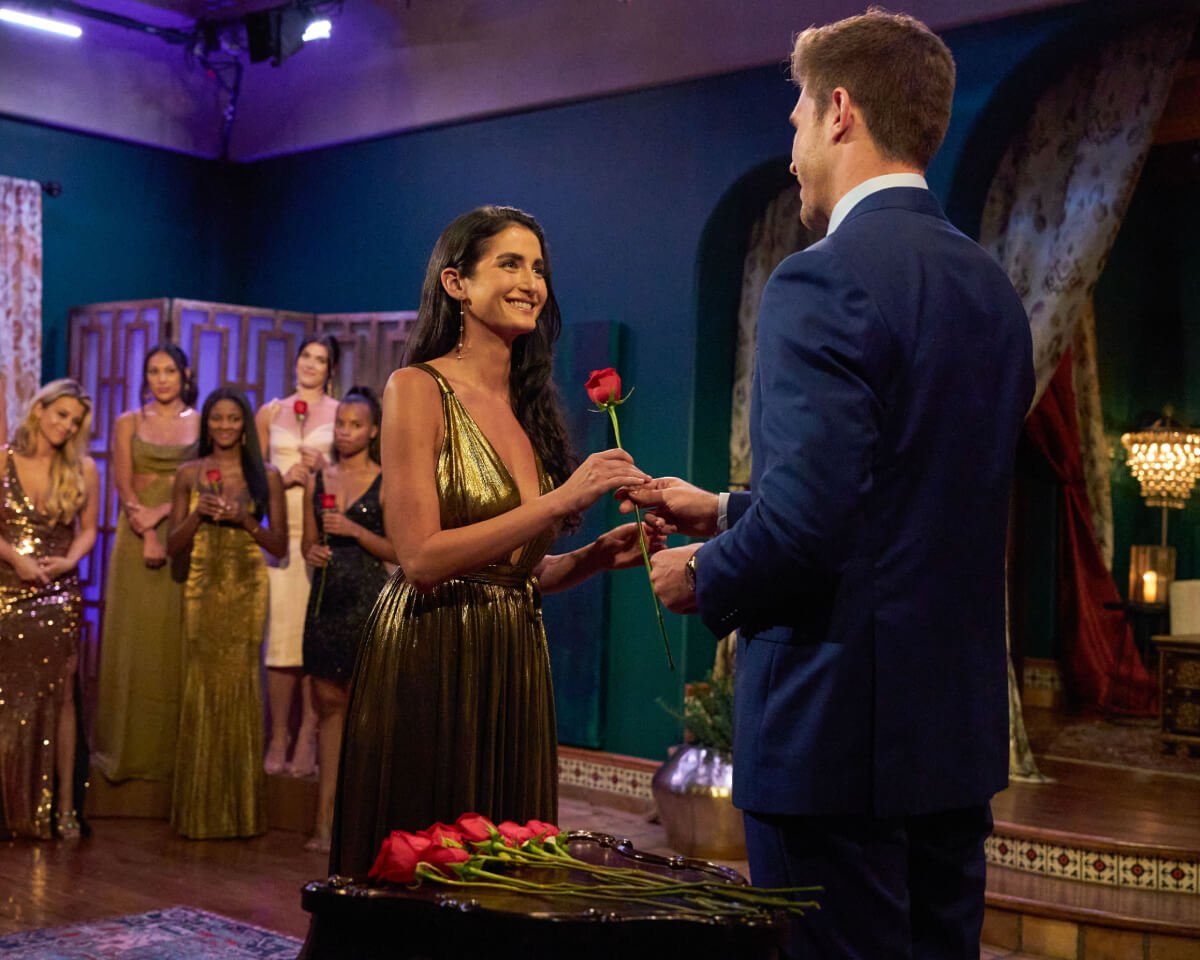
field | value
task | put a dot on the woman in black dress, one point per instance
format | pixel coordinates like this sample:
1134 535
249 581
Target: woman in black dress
344 541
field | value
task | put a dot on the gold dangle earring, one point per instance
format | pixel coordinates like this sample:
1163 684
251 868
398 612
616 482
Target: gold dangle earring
462 329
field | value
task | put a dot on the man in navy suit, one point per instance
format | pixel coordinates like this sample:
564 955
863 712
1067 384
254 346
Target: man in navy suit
864 571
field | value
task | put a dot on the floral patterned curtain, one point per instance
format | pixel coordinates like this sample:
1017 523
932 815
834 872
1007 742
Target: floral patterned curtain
1057 201
1051 216
778 234
20 297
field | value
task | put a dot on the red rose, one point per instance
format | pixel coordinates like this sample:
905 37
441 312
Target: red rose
439 833
398 857
603 386
213 476
513 833
475 828
328 501
300 408
541 829
444 858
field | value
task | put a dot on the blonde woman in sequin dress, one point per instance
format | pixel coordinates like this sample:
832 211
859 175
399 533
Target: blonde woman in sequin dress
451 707
49 502
141 650
298 446
217 512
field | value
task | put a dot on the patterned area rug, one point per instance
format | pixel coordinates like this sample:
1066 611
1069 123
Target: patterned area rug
177 933
1125 744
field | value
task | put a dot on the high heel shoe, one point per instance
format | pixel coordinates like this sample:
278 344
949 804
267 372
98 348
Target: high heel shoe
304 757
66 824
275 761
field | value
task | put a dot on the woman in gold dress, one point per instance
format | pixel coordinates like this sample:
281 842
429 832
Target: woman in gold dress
49 502
218 506
451 707
141 648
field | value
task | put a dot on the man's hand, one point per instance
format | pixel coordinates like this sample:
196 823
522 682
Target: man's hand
687 508
669 578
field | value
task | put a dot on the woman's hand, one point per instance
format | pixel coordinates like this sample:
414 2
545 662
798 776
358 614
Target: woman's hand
55 567
313 460
29 570
598 474
154 555
340 524
141 518
210 505
318 555
619 548
297 475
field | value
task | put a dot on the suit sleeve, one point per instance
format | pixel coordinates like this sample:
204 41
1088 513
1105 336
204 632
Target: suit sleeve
821 356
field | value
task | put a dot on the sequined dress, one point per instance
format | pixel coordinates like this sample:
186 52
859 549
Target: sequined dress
451 707
141 649
290 577
220 788
352 582
39 633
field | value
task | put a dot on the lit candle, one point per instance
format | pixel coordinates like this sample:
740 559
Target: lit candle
1149 587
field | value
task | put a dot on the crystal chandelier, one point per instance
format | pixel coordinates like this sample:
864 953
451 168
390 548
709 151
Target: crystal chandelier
1165 459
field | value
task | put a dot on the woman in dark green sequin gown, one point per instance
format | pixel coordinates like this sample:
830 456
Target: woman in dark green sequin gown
451 707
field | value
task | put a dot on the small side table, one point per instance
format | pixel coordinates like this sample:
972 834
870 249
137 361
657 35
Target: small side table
1179 686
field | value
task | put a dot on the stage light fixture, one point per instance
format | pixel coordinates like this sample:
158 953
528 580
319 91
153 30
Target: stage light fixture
317 30
46 24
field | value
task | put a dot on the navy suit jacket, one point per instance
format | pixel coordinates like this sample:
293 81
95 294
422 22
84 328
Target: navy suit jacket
865 569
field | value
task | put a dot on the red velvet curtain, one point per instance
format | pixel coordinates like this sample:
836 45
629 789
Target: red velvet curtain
1102 663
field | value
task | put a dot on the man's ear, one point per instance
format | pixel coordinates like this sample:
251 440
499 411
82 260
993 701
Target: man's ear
452 283
842 116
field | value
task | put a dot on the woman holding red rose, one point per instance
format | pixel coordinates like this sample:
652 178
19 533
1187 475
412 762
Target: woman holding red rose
218 507
296 434
344 541
451 706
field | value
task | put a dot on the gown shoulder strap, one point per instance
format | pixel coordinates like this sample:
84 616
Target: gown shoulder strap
442 382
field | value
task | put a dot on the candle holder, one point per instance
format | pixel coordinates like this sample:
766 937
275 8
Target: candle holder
1151 572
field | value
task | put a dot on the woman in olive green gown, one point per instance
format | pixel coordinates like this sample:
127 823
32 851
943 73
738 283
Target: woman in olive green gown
218 504
451 707
141 647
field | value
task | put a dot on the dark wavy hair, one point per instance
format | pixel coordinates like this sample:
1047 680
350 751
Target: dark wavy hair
531 387
333 350
366 396
252 460
187 392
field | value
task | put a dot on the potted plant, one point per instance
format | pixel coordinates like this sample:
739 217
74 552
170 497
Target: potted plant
694 788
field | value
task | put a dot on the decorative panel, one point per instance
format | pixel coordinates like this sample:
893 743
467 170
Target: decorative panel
107 346
372 345
244 347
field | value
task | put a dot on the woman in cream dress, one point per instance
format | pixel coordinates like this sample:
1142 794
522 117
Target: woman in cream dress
297 433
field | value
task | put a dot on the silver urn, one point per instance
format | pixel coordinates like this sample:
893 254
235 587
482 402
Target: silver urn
694 794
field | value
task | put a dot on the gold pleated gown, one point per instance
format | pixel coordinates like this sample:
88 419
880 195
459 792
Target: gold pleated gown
219 788
39 633
451 707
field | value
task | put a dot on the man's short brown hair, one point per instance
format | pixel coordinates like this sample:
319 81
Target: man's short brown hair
894 67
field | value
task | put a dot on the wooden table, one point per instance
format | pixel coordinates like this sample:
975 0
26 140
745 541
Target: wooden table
359 921
1179 686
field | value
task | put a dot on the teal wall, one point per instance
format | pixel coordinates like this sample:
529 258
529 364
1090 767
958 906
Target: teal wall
646 198
132 222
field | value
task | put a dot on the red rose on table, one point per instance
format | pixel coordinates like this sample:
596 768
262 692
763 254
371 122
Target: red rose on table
541 829
439 833
603 386
300 408
328 501
474 827
444 858
398 857
513 833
